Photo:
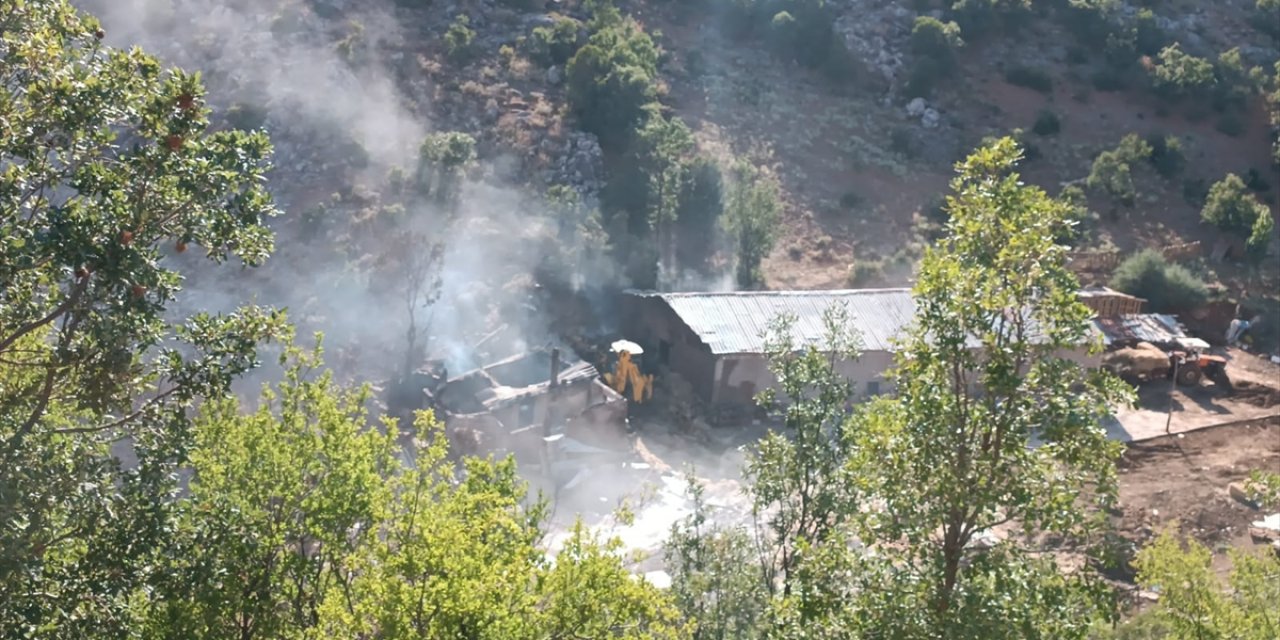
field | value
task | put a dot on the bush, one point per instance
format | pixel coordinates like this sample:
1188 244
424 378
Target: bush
1031 78
1047 123
1168 288
1179 74
555 44
1111 172
1232 207
459 37
1264 18
1166 154
863 272
935 39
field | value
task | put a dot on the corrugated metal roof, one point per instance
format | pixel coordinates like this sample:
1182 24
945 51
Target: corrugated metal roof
737 322
1141 327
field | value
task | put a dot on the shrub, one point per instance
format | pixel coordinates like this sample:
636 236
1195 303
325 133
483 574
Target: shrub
1133 148
935 39
1168 288
1166 154
1233 83
1047 123
1180 74
555 44
1232 207
1111 172
1031 78
863 272
459 37
1264 18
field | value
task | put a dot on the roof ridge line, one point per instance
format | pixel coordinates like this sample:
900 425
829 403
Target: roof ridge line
777 293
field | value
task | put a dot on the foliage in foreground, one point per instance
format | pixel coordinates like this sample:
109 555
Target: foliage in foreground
868 522
110 173
1193 603
298 519
330 527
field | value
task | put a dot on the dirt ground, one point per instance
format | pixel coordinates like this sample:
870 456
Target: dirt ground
1256 394
1182 481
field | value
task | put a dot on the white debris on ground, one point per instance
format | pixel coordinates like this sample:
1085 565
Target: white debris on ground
639 501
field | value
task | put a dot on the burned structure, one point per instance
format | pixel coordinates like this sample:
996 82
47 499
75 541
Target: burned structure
541 407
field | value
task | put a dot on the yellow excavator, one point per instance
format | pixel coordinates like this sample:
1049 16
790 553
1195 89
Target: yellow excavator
626 373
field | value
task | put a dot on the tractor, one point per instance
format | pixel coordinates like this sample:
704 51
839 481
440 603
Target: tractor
1185 364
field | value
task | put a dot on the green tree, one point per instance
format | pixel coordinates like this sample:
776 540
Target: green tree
459 37
664 145
715 575
555 44
936 39
751 218
280 499
1232 207
611 79
1111 172
1193 602
442 160
109 171
867 519
990 424
306 519
934 43
1180 74
1167 288
701 204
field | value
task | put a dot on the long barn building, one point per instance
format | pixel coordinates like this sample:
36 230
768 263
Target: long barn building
716 341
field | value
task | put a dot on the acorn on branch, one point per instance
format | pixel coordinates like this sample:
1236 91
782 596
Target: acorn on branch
126 238
174 142
186 101
99 34
138 291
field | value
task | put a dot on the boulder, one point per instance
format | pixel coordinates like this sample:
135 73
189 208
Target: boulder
917 107
930 119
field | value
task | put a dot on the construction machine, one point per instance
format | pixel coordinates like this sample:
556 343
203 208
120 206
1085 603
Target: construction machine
627 374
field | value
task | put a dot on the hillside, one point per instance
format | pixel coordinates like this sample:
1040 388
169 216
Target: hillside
862 159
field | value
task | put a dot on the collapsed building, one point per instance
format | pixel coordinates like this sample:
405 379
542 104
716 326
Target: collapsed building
547 411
